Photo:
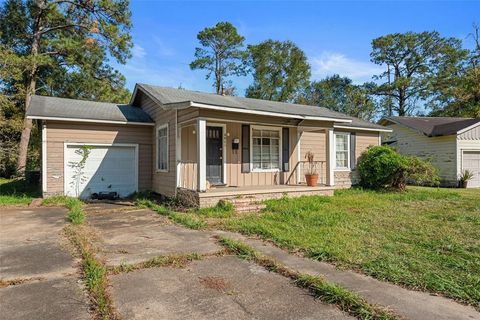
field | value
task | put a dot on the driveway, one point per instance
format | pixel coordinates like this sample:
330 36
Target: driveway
214 287
39 279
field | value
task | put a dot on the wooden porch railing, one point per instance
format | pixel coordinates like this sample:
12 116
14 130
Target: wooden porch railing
187 174
302 167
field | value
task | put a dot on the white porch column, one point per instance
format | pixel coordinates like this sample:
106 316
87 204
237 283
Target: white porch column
330 157
201 155
178 152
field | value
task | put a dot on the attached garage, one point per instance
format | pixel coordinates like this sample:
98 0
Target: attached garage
471 162
107 168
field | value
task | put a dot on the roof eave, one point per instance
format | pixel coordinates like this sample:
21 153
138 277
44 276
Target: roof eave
362 128
267 113
90 120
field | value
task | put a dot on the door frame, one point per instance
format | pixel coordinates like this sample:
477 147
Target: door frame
65 163
224 147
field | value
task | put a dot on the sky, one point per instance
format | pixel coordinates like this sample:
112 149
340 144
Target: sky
336 36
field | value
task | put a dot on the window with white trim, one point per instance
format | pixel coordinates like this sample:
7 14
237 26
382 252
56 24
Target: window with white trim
342 150
162 148
265 148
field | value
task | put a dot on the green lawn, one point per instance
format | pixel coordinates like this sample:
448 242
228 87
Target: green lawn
17 192
423 238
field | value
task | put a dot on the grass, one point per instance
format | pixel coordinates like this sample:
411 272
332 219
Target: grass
76 214
94 272
187 219
176 261
15 192
330 293
223 209
424 238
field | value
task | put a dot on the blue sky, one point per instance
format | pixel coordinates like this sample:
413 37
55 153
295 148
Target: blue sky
336 36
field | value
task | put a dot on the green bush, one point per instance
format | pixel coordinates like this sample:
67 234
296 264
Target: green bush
383 167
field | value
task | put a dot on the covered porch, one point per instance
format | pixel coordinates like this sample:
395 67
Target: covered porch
227 159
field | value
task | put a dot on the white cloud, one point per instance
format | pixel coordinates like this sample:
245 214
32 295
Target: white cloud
138 52
330 63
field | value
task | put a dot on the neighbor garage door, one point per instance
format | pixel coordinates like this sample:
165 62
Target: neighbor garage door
471 162
106 169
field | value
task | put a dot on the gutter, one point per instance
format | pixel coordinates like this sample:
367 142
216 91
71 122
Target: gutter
92 120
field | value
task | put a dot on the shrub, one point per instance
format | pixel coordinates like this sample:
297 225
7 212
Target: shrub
383 167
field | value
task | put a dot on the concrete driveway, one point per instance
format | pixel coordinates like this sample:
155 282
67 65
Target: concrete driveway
215 287
39 279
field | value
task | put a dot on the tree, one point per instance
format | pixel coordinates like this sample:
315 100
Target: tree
411 61
221 54
457 94
280 71
340 94
60 47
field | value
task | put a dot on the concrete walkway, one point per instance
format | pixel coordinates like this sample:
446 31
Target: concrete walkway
408 303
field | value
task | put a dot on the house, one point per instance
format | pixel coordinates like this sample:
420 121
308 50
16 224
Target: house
452 144
197 146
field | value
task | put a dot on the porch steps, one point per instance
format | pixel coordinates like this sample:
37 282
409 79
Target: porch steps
248 204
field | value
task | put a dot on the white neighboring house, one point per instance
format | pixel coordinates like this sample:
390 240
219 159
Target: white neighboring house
452 144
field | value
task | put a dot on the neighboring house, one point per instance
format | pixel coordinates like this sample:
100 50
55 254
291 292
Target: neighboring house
452 144
198 146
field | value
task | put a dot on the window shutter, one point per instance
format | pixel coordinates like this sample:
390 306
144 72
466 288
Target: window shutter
285 149
245 148
353 156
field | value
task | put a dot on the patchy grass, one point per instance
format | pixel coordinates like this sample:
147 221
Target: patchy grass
94 272
424 238
176 261
187 219
330 293
16 192
76 214
223 209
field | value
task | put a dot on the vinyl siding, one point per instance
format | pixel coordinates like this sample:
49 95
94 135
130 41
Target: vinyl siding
467 141
316 142
60 132
162 182
441 150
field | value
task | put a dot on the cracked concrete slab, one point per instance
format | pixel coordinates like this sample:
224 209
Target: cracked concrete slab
215 288
407 303
55 299
132 236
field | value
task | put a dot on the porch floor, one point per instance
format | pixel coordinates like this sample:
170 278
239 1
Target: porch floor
258 190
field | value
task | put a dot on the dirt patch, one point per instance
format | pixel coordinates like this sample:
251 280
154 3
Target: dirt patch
217 283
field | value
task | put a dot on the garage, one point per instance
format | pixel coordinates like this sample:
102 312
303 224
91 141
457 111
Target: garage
106 168
471 162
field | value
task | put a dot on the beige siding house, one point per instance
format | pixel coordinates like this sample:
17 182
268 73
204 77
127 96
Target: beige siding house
452 144
197 146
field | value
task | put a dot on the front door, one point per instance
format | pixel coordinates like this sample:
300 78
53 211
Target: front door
214 155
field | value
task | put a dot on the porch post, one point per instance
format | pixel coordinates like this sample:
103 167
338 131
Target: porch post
178 154
330 157
201 155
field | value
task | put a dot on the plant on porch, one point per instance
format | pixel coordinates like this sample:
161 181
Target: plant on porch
311 174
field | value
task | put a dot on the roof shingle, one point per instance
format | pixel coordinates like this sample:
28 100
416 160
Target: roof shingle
435 126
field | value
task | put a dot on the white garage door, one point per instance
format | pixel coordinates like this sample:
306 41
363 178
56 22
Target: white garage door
106 169
471 162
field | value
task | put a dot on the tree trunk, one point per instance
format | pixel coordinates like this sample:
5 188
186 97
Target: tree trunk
27 123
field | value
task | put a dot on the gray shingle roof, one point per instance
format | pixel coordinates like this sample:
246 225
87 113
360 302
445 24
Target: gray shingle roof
434 126
53 107
167 95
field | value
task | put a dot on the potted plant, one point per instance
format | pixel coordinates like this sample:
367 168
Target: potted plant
464 177
311 174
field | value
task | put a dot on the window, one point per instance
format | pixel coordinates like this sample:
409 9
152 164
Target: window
342 146
265 148
162 148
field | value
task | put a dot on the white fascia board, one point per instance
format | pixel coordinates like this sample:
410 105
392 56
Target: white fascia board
361 128
92 120
266 113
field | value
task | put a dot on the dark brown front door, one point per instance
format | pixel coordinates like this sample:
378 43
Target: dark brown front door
214 155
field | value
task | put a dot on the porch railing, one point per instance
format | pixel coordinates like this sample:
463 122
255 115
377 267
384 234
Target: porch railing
302 167
187 174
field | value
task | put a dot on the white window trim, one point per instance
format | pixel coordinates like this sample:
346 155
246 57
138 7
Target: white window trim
279 129
158 128
347 134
